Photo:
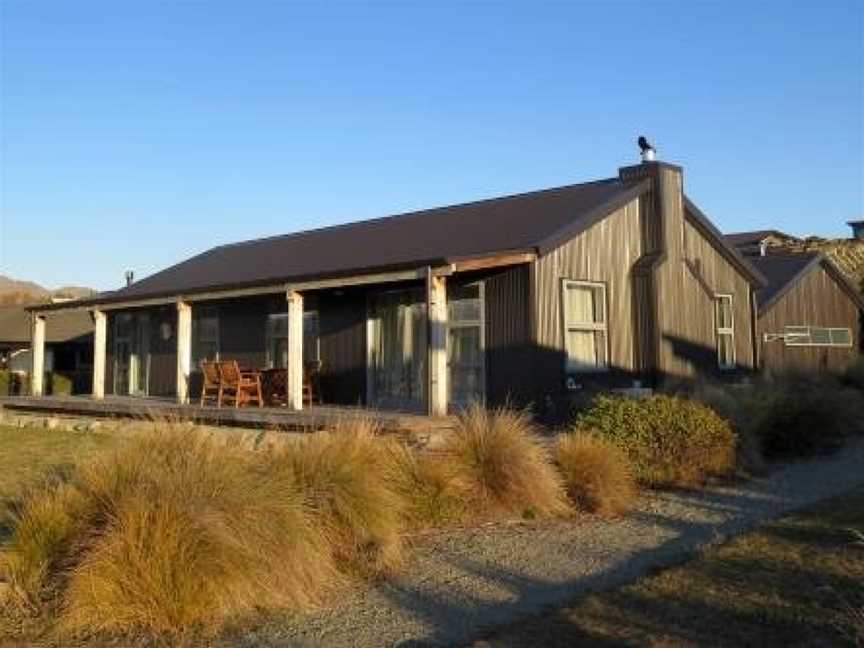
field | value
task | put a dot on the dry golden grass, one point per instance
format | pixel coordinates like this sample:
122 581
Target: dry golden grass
170 534
598 474
426 485
343 477
502 466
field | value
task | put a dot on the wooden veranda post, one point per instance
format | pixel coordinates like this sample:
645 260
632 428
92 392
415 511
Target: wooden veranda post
184 350
294 383
37 356
100 348
436 311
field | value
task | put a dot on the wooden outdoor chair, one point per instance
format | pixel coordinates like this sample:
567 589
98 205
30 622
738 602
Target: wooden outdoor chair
211 386
312 383
239 387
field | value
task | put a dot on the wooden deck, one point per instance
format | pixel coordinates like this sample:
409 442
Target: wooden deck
312 418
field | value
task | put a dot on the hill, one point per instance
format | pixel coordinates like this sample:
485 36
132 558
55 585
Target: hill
15 292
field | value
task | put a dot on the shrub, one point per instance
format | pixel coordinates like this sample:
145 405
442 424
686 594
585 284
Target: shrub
597 473
670 441
169 533
854 374
426 485
803 416
343 477
502 466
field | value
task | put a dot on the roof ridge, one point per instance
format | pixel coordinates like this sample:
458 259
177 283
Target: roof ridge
409 214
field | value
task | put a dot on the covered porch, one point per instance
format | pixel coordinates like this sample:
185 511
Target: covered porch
407 343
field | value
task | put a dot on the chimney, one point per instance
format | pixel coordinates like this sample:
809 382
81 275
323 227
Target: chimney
130 277
763 248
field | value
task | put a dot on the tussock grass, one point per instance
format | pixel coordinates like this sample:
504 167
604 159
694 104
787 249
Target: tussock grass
168 534
598 474
343 477
502 466
426 485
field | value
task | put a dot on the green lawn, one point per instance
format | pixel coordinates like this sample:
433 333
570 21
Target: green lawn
798 581
27 454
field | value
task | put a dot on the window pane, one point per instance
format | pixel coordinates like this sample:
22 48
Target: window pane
465 346
582 350
584 305
819 336
841 336
724 312
725 350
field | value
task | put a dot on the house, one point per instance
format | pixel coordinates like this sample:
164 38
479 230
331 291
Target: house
529 298
809 314
756 243
857 229
68 346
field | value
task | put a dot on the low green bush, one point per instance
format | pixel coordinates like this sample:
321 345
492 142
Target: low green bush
803 416
671 441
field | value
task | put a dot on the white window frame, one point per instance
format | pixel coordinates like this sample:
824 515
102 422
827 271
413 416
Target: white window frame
725 330
569 327
803 335
480 324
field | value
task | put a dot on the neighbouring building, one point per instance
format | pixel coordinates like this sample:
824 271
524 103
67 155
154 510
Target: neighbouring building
809 314
529 298
857 229
68 349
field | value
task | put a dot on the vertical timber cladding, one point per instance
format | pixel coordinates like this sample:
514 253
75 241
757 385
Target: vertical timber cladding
163 351
605 253
342 331
508 347
686 281
815 300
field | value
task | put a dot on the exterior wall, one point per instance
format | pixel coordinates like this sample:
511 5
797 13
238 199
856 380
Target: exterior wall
509 375
342 321
605 253
693 273
815 300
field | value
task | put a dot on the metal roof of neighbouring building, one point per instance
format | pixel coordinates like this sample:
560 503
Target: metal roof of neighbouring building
63 326
743 239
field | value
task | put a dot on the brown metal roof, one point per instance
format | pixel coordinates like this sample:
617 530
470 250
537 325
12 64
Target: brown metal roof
62 326
783 271
745 239
435 236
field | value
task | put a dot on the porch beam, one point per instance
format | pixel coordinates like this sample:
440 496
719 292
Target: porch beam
184 350
436 313
294 383
37 356
485 263
100 352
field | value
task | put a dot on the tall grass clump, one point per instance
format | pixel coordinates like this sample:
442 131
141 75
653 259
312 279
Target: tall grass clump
502 466
343 477
670 441
597 473
426 485
171 533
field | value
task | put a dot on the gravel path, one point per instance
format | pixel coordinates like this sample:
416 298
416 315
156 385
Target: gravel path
462 582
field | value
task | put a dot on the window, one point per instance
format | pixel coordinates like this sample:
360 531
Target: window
724 321
205 334
276 339
465 358
817 336
585 326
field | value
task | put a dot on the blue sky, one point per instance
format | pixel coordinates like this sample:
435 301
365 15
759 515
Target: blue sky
135 134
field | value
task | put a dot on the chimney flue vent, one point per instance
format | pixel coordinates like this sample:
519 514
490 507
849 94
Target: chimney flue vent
130 277
649 153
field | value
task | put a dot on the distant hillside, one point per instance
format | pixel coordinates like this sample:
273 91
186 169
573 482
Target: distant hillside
18 292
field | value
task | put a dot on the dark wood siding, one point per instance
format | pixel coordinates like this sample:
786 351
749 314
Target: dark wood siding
342 321
508 338
815 300
163 352
242 324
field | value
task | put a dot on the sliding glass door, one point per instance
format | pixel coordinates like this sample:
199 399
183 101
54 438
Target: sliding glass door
397 350
465 344
131 350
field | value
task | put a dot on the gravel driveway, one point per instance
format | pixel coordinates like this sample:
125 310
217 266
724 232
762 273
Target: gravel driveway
462 582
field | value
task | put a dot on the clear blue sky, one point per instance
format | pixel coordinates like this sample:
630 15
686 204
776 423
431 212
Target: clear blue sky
135 134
